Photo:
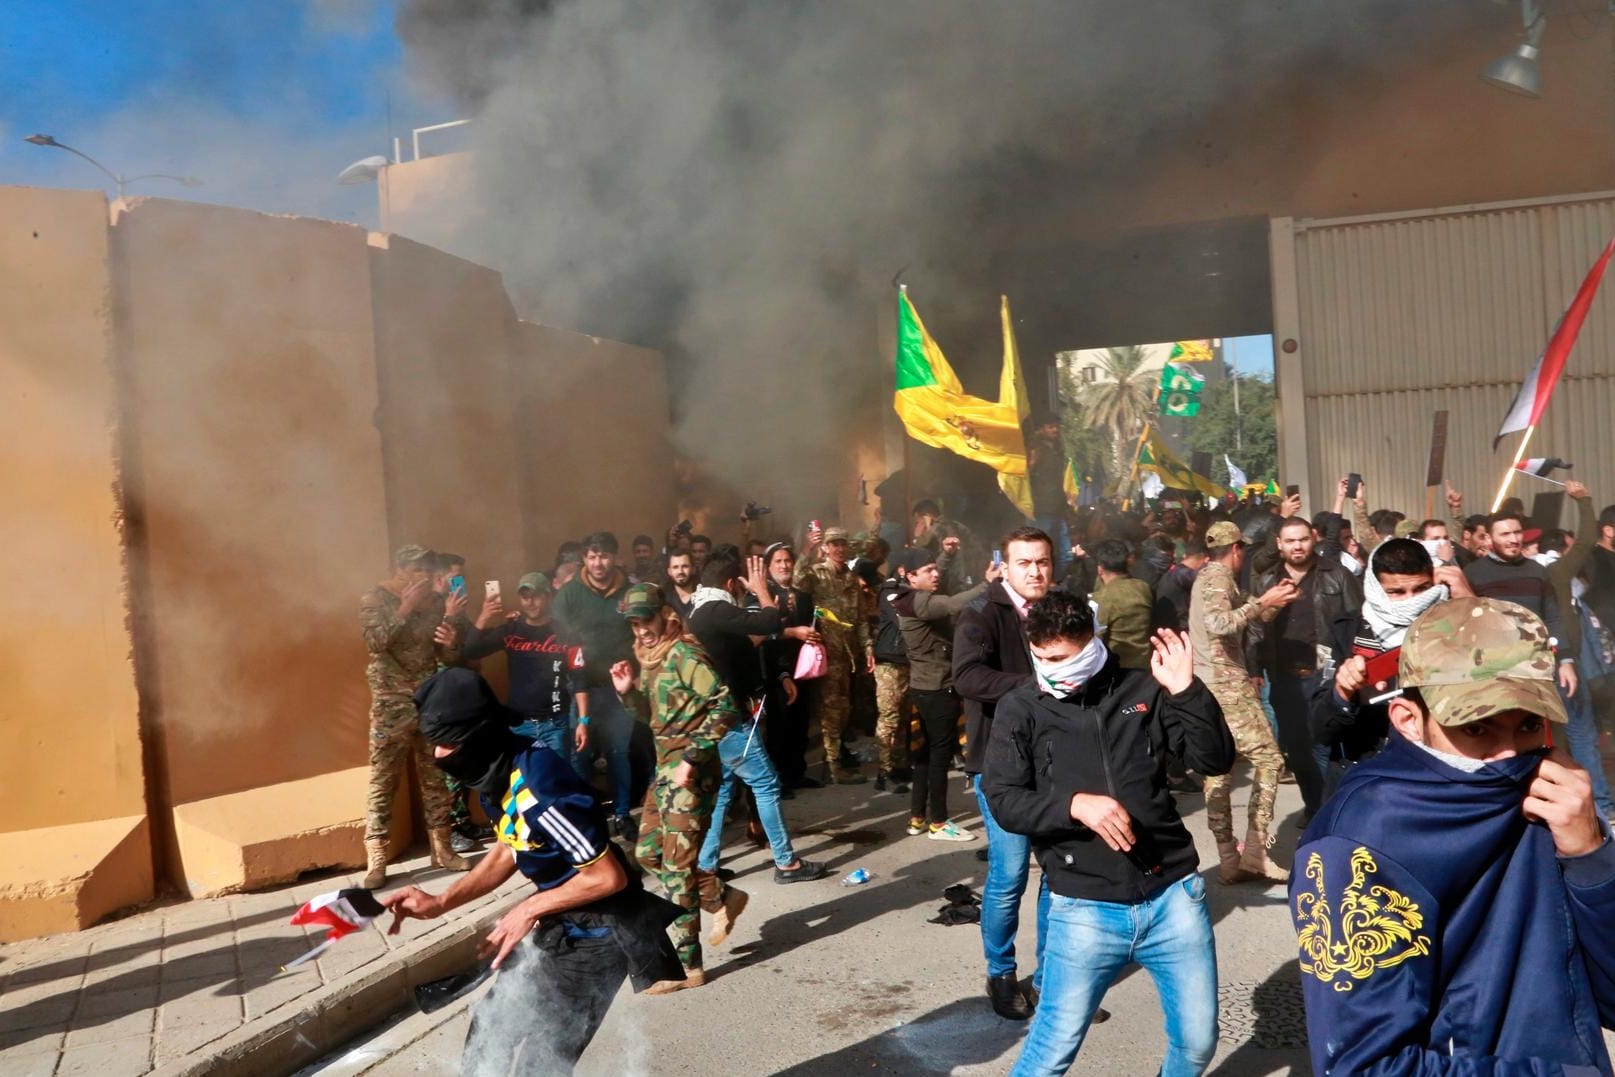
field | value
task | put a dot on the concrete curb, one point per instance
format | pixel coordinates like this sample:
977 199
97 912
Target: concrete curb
293 1036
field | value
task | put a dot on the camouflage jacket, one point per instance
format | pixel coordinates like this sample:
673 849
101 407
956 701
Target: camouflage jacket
402 653
688 708
839 592
1219 614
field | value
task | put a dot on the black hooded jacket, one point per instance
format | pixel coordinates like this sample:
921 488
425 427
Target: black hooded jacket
1111 739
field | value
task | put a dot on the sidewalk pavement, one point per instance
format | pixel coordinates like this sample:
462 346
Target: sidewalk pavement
195 987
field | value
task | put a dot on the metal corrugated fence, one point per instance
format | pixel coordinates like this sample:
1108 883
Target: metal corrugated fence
1404 315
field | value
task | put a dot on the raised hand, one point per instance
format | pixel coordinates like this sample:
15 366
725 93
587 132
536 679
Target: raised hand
1172 660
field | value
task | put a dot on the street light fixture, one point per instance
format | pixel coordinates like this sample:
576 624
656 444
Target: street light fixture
1517 72
117 181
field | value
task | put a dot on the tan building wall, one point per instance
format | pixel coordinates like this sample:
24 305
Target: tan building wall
74 843
592 437
249 349
269 405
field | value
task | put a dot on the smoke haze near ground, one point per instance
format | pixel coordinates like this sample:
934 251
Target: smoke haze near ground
736 183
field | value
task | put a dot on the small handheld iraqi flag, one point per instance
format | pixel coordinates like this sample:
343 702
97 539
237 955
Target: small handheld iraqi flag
1543 466
343 911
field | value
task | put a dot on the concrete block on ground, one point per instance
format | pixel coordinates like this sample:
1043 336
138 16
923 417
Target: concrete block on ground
64 878
272 834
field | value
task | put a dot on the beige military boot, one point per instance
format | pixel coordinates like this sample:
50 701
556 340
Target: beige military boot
1255 860
375 856
692 978
443 854
1228 869
723 921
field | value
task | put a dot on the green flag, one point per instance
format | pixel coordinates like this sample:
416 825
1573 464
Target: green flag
1180 390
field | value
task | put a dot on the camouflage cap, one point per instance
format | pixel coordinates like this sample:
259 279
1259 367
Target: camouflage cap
1409 528
1474 657
1223 533
534 581
411 554
836 534
641 600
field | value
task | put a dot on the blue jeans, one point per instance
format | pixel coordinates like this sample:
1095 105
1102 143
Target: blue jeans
1091 942
551 732
1007 872
611 728
749 764
1582 734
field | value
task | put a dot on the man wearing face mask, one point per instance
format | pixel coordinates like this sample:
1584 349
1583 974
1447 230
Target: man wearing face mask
1401 583
565 950
1077 763
1456 908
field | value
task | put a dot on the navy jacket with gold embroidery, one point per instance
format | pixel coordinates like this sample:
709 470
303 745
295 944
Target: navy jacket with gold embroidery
1441 934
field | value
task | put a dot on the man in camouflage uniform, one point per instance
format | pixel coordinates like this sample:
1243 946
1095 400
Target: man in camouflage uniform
400 617
680 696
844 610
1219 613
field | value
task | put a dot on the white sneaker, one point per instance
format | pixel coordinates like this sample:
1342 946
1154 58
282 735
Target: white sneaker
915 829
950 831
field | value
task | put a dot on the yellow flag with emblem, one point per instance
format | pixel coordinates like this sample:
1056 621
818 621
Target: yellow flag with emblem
937 411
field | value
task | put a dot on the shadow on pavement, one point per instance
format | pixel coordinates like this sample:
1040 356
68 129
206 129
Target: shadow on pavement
962 1033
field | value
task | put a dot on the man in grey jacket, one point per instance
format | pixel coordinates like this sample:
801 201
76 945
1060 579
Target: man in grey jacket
925 618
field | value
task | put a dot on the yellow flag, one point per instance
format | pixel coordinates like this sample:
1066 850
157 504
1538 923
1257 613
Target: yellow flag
1153 455
1012 392
936 410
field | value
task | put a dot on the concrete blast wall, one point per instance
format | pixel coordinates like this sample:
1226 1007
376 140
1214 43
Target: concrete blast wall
246 413
74 844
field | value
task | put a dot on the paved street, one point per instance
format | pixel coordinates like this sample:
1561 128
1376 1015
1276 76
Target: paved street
822 979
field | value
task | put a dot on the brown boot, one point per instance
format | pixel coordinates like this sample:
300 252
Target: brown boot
723 921
692 978
1255 861
443 854
1228 869
375 857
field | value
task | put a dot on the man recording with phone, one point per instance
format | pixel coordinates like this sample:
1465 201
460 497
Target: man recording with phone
1294 647
1349 720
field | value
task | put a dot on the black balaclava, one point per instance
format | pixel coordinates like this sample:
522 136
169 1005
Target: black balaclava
457 708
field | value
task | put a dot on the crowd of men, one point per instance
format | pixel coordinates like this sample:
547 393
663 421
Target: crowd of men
1456 882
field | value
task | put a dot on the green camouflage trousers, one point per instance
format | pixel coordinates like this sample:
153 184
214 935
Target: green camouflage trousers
394 734
891 696
1253 739
459 811
672 825
830 698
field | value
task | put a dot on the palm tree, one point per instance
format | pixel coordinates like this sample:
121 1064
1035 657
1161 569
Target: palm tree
1120 400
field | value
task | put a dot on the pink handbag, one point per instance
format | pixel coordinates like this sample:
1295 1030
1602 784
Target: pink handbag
811 661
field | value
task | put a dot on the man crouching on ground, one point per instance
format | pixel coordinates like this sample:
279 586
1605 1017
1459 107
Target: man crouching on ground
1077 762
1455 899
566 949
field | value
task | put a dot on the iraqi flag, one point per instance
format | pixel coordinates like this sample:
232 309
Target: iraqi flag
1542 466
1532 401
343 911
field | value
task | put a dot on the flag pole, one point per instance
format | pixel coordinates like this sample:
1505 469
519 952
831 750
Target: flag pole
1508 476
1132 476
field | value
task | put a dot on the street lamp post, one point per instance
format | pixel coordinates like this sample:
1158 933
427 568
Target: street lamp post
117 181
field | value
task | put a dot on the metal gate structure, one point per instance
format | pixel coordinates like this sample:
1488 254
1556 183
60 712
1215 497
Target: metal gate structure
1380 321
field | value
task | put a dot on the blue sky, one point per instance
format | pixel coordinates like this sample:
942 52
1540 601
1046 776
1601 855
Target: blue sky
263 101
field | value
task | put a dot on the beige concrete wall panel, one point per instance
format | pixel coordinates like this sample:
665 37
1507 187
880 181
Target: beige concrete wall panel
247 340
449 436
69 711
1403 315
601 455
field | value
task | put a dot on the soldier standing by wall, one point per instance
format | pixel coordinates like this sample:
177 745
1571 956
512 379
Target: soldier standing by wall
399 617
844 625
1219 613
688 709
